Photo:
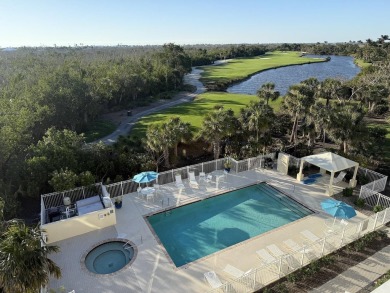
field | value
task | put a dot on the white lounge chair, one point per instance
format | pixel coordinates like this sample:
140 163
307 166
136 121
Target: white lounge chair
275 250
309 235
339 178
295 247
212 278
265 256
179 182
192 180
235 272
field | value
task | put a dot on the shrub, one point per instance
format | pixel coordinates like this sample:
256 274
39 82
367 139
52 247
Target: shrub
360 202
347 192
378 208
362 179
381 109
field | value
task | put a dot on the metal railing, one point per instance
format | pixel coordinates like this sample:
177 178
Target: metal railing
370 191
124 187
55 199
264 275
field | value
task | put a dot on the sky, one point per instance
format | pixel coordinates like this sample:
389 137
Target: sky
155 22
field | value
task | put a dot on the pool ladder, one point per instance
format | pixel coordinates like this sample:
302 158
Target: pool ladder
127 245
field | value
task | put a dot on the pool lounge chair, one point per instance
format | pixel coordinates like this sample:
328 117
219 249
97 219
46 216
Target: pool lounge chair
265 256
295 247
179 182
275 250
235 272
212 278
309 235
192 180
339 178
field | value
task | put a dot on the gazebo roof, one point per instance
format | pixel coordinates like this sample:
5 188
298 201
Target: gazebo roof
330 162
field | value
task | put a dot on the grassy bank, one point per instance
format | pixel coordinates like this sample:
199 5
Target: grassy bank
99 129
195 111
361 63
241 68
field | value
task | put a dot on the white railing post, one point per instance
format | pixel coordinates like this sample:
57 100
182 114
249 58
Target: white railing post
376 220
83 192
384 216
249 164
202 167
216 165
323 247
373 186
342 237
237 162
379 197
122 188
280 267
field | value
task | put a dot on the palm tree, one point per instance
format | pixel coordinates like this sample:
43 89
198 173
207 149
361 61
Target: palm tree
158 139
267 92
298 101
347 124
257 117
24 263
216 126
179 131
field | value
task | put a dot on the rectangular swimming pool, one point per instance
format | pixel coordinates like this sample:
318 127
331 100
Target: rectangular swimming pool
199 229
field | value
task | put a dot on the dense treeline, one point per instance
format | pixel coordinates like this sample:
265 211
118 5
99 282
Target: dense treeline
48 96
207 54
46 91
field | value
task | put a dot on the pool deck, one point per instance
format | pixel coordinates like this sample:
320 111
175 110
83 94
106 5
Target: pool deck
153 270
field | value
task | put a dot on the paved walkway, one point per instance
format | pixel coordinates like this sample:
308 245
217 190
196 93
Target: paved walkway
358 277
184 97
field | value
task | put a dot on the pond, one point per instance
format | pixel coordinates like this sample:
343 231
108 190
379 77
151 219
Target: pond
341 67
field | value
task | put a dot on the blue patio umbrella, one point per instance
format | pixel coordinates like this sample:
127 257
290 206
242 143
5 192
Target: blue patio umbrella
145 177
338 209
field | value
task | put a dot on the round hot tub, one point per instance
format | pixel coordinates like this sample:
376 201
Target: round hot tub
109 257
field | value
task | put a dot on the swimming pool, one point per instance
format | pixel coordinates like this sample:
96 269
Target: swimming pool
199 229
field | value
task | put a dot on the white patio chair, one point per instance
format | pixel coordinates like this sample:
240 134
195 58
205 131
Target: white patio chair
202 176
139 194
212 278
192 180
179 182
209 178
339 178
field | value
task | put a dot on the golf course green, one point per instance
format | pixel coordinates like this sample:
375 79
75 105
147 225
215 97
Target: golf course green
232 70
241 68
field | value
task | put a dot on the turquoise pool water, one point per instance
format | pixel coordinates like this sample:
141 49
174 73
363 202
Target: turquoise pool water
196 230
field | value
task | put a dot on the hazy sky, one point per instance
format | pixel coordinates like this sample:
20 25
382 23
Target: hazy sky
130 22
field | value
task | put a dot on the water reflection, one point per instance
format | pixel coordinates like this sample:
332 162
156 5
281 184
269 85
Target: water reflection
338 67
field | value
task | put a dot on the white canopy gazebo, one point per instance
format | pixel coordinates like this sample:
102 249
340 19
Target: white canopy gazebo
332 163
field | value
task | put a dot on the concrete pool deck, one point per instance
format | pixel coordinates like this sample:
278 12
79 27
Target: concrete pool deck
152 270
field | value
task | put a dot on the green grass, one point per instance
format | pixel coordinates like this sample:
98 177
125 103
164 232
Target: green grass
240 68
99 129
361 63
194 112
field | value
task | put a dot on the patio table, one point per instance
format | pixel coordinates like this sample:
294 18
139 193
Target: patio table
148 192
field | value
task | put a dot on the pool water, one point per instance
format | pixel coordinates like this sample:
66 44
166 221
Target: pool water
109 257
196 230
